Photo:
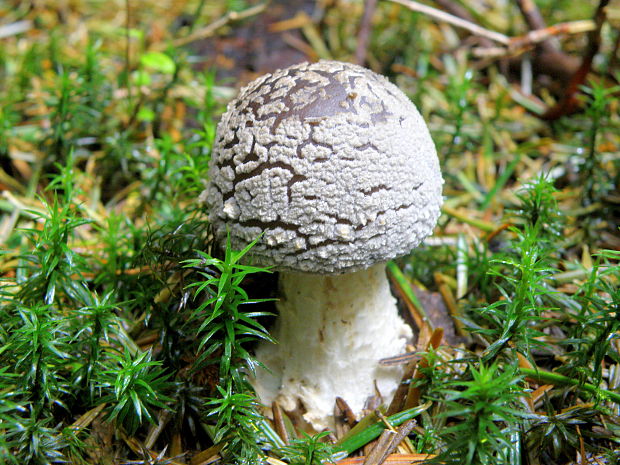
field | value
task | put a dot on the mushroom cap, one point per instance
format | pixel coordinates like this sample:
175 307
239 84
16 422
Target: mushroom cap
331 162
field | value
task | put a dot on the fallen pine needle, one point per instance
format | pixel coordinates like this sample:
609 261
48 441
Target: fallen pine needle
394 459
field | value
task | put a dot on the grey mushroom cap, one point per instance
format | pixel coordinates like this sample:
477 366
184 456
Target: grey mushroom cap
331 162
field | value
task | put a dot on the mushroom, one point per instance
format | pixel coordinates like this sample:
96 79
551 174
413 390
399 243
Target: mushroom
336 168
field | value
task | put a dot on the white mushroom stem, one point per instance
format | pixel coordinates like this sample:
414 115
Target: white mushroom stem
331 332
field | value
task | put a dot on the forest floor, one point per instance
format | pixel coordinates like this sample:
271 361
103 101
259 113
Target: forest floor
123 338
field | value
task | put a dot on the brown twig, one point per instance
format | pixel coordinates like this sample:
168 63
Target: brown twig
382 444
614 59
388 442
541 36
455 21
569 103
534 19
547 58
363 36
460 12
212 28
521 44
455 9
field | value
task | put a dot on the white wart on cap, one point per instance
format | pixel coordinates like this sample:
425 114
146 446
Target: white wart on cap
331 163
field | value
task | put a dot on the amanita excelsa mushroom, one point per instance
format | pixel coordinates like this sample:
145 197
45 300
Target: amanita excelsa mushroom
336 168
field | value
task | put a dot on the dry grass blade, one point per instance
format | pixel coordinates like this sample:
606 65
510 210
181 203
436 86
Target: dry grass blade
540 35
207 456
212 28
414 393
455 21
278 421
15 28
388 442
87 418
381 446
405 291
394 459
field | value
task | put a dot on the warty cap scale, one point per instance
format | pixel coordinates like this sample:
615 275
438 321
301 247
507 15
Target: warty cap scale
331 162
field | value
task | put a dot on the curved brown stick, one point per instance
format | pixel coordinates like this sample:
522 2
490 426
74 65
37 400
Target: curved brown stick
547 59
363 36
569 103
